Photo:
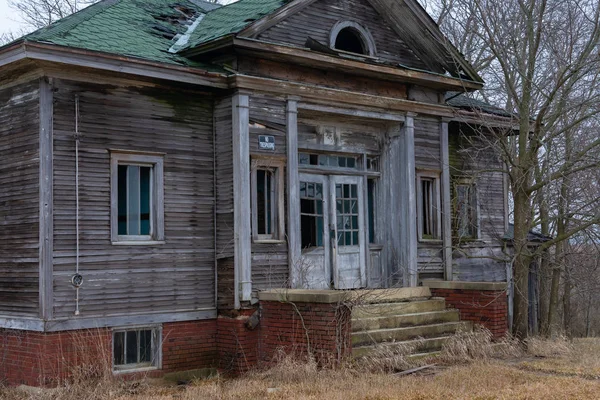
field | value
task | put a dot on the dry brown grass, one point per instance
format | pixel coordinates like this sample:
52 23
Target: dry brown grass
485 378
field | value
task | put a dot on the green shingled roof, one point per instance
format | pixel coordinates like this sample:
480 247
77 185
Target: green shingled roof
136 28
231 19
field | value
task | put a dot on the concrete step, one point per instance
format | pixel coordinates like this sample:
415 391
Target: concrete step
398 308
423 347
408 333
404 320
393 295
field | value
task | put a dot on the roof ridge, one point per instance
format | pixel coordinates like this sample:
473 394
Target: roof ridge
71 21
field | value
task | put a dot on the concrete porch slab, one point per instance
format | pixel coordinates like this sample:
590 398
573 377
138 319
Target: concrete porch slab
461 285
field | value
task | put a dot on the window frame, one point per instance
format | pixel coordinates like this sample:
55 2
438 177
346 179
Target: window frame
363 33
277 202
142 159
437 213
156 349
474 208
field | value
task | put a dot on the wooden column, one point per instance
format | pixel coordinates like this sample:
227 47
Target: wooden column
409 201
293 191
241 196
446 203
46 220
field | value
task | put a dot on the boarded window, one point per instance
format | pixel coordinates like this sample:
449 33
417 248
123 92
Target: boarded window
136 349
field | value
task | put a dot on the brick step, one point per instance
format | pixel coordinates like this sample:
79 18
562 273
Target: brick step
404 320
408 333
398 308
423 347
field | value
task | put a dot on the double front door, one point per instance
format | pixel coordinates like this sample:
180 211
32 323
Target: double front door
332 225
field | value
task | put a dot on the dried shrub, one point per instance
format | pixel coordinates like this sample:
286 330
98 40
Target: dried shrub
477 345
555 347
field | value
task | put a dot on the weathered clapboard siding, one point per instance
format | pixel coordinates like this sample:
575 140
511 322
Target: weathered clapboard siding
269 260
19 200
224 172
267 117
350 137
428 157
120 279
317 19
427 143
269 266
473 157
225 284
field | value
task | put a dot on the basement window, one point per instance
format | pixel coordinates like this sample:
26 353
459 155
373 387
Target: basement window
136 349
136 198
267 200
428 207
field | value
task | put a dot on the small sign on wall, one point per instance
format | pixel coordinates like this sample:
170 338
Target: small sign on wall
266 142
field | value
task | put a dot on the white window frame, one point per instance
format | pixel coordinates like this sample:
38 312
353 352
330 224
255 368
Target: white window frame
277 201
143 159
156 346
474 208
436 213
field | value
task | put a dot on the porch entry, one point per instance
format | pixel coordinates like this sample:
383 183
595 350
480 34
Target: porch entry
332 231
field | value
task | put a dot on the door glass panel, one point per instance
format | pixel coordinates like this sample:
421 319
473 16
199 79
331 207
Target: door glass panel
311 214
347 214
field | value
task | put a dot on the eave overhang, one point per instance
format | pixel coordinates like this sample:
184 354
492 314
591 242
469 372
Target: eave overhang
110 62
305 57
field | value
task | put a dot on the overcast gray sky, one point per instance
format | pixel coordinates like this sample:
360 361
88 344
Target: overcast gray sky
8 18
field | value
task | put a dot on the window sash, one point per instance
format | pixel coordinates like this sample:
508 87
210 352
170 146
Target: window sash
428 207
267 196
128 208
135 349
466 211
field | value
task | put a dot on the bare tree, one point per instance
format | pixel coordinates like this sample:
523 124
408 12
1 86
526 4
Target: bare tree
541 57
39 13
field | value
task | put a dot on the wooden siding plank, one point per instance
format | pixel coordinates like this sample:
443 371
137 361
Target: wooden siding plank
177 276
20 202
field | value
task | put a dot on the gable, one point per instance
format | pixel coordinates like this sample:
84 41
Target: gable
319 18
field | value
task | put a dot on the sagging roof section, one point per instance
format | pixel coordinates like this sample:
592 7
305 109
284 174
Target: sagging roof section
137 28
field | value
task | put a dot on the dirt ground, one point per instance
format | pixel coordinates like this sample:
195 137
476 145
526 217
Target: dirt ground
548 370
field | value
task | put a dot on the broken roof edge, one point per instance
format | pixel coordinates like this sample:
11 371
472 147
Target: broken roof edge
49 52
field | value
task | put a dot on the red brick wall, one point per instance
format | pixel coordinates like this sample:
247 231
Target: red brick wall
286 327
488 308
238 346
46 359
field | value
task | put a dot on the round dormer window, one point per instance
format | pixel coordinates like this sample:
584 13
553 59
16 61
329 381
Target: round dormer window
351 37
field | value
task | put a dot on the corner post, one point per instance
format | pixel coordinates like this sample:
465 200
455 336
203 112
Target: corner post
46 220
409 212
446 202
293 191
241 195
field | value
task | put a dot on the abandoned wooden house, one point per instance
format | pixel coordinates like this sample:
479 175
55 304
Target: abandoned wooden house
179 181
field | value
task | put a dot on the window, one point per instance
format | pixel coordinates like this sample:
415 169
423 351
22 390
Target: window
325 160
351 37
136 349
371 196
136 198
346 210
311 214
428 206
267 200
466 210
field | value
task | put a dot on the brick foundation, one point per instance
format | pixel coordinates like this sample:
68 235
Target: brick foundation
46 359
486 307
322 328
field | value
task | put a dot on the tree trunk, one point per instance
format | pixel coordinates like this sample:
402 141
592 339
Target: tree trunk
567 303
521 264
